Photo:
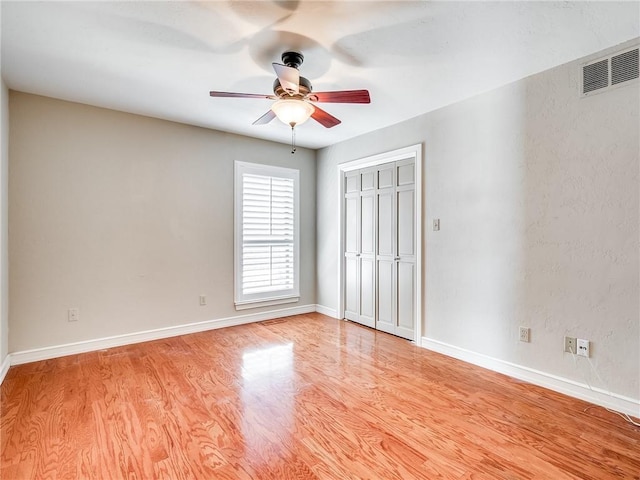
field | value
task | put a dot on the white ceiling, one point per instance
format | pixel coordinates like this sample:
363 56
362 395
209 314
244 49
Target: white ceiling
161 59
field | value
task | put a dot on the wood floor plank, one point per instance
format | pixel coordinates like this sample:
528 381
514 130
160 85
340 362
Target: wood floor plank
307 398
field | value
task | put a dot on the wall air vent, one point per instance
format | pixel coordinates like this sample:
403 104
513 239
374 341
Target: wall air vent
595 76
606 73
624 67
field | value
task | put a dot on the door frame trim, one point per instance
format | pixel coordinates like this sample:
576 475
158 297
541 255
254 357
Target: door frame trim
415 152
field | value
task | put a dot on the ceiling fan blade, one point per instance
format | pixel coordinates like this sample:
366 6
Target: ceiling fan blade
325 119
341 96
266 118
289 77
240 95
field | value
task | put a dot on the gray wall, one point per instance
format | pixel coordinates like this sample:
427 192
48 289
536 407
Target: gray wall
129 219
4 220
537 192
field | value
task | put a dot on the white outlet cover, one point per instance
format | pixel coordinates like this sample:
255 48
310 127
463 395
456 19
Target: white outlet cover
583 347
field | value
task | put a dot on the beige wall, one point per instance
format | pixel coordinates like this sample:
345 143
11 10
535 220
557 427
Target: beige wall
537 192
127 218
4 220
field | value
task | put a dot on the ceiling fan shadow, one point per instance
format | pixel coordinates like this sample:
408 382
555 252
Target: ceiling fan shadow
267 46
155 34
345 56
263 12
291 5
392 45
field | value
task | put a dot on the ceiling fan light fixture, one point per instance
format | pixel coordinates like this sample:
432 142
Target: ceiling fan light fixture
292 111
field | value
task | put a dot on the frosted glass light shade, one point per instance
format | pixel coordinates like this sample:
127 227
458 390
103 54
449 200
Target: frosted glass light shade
292 112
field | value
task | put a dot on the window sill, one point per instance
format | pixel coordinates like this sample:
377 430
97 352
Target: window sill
266 302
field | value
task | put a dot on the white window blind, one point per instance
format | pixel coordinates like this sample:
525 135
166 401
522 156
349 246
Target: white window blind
266 233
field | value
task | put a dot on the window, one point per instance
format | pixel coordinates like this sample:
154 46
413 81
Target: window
266 235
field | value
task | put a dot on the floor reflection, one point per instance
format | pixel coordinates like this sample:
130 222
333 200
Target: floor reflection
268 391
267 363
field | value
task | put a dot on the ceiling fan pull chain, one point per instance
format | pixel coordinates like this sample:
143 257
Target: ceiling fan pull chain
293 139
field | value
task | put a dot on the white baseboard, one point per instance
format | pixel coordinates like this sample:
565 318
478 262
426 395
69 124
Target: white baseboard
4 367
620 403
46 353
329 312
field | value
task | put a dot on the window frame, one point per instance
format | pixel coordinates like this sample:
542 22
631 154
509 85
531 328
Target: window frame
245 301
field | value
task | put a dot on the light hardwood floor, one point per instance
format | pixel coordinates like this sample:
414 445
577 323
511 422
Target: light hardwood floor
307 397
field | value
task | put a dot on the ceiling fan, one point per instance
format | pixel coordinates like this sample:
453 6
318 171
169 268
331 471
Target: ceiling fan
294 96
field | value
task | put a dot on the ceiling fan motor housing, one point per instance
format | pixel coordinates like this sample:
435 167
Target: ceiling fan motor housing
292 59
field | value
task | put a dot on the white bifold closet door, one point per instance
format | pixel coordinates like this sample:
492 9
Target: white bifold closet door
380 250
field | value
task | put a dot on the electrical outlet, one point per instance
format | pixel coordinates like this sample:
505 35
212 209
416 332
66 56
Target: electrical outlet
436 224
583 347
570 345
73 315
524 334
203 300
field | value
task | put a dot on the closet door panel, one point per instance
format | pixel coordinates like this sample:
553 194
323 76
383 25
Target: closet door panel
406 174
406 223
385 176
406 300
386 296
406 276
351 224
367 292
368 225
352 288
385 224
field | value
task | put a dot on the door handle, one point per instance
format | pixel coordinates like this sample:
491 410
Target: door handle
397 258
